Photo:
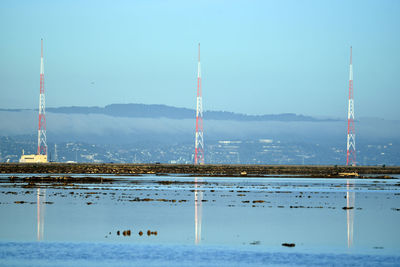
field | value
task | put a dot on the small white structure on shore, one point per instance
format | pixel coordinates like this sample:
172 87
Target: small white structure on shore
33 158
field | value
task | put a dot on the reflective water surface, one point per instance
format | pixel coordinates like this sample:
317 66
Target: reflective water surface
316 215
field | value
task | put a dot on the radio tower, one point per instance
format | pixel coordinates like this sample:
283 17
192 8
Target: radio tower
199 143
351 134
42 143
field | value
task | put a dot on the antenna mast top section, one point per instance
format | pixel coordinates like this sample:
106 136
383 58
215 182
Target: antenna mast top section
41 55
199 52
351 55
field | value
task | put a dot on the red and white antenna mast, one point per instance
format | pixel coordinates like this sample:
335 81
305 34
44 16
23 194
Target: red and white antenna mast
351 134
199 143
42 142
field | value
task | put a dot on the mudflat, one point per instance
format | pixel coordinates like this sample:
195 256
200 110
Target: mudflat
310 171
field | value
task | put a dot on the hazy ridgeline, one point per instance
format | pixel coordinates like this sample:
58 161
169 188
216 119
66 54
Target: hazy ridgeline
155 129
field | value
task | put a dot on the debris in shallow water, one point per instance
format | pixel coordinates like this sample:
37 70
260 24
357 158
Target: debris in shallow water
149 233
19 202
124 233
255 243
290 245
348 208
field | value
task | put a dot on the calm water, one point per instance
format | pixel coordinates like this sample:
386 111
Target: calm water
224 221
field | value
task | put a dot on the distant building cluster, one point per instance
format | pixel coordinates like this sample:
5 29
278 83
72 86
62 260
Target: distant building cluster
260 151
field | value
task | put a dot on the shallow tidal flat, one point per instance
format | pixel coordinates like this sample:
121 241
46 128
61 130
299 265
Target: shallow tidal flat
222 221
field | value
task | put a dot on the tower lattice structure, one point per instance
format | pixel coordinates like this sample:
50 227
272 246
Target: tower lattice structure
351 134
42 142
199 142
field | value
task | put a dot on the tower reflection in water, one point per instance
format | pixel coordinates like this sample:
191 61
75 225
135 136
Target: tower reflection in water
350 197
40 199
198 197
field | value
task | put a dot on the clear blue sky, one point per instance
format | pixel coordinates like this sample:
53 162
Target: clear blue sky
258 57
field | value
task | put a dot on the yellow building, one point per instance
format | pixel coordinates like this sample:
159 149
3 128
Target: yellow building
33 159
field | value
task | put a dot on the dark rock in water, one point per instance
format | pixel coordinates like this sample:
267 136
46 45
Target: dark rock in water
255 243
348 208
89 203
148 232
128 232
118 232
290 245
140 233
19 202
165 182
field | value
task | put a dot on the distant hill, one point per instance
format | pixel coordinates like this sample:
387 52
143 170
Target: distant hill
147 125
163 111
